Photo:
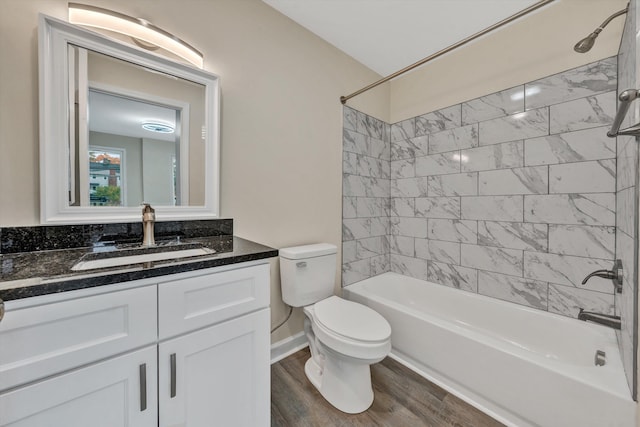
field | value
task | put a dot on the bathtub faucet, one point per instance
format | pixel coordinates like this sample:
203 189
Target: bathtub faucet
603 319
615 275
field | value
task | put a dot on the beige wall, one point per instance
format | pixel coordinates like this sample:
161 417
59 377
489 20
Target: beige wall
533 47
281 139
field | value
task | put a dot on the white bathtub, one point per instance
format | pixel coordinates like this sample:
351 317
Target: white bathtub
522 366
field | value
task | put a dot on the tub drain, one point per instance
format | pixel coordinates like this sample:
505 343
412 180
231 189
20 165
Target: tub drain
600 358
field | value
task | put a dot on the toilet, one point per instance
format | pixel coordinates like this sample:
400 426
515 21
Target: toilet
345 337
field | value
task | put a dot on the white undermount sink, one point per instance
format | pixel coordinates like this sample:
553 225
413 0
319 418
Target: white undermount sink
111 259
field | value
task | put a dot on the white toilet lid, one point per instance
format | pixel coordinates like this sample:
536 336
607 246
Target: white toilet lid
352 320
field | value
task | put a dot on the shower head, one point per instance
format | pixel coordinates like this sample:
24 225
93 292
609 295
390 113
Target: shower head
587 43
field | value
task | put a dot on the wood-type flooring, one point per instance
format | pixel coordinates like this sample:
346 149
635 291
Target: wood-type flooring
402 399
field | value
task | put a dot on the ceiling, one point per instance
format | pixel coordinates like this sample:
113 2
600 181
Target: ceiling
388 35
124 116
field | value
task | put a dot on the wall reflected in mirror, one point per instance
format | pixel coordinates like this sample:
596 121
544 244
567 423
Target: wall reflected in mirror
136 134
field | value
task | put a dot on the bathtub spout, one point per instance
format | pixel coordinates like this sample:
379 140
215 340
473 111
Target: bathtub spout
603 319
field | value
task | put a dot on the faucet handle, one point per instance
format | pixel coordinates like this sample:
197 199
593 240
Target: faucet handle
148 213
614 274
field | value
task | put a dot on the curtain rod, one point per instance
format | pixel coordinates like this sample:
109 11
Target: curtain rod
536 6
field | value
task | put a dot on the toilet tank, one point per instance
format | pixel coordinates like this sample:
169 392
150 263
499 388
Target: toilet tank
307 273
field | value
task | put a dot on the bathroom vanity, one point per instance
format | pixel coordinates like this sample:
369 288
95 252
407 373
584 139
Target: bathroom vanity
170 343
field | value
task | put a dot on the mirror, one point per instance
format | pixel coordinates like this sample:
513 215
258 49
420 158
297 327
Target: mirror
121 126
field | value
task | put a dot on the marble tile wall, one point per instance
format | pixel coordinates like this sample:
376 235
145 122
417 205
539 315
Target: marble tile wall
627 200
365 202
512 195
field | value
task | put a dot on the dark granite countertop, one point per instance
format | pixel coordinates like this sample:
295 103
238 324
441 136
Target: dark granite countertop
29 274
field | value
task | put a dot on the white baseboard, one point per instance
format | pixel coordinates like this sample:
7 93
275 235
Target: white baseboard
288 346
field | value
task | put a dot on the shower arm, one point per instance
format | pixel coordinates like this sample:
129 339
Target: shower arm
534 7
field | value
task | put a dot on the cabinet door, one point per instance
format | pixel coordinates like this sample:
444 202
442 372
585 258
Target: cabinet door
106 394
218 376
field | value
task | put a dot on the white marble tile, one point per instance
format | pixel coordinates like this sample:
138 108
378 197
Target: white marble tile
409 187
380 264
438 164
578 146
404 168
357 228
579 209
625 203
461 184
402 206
372 246
355 142
412 267
349 118
527 292
349 253
403 130
422 248
582 240
379 149
454 139
370 126
499 260
493 208
453 276
587 80
410 148
490 157
439 120
515 127
513 235
410 227
583 113
367 207
453 230
354 185
369 166
402 245
584 177
355 271
568 301
627 162
349 207
438 207
447 252
567 270
349 163
498 104
377 187
380 226
531 180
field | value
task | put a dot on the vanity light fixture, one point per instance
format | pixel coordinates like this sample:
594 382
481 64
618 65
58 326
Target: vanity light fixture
157 127
142 32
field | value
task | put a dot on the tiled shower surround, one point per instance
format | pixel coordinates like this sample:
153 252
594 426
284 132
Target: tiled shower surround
511 195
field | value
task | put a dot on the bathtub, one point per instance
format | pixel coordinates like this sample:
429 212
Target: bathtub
522 366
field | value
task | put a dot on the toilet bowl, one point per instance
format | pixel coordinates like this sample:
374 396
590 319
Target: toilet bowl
345 337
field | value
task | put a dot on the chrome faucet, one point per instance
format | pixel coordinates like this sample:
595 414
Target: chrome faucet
615 275
148 221
603 319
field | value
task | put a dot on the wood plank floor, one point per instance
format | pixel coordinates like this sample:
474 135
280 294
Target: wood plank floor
402 398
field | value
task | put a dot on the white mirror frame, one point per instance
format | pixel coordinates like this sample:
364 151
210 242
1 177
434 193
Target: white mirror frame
54 36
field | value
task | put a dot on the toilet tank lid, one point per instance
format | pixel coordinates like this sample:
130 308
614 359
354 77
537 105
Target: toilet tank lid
308 251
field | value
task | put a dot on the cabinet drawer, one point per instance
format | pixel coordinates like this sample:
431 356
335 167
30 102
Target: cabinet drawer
196 302
39 341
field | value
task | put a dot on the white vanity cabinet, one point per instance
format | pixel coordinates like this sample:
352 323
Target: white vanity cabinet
191 350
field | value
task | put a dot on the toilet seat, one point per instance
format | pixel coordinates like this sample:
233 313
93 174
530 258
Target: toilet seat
350 329
352 320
